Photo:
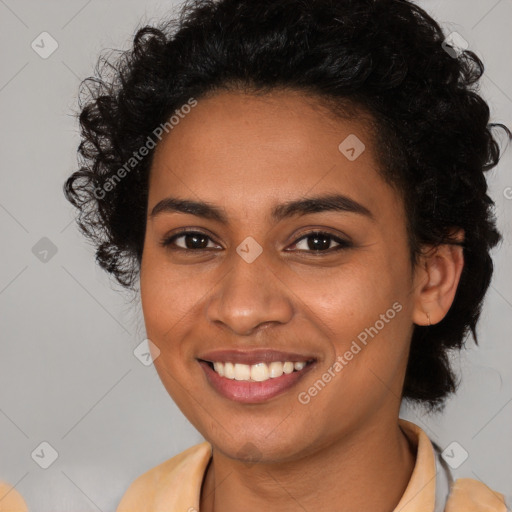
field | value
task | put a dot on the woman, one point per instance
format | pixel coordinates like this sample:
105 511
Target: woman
299 189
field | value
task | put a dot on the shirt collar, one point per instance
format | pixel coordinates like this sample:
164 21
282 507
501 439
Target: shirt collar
419 495
176 483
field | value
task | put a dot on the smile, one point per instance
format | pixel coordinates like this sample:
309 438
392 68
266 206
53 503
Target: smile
259 372
254 377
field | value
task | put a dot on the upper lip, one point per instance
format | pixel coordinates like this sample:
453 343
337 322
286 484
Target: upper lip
253 356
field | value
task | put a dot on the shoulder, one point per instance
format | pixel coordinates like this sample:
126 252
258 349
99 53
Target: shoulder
469 495
432 482
176 482
10 499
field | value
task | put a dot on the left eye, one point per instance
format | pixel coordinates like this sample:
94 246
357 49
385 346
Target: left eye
320 242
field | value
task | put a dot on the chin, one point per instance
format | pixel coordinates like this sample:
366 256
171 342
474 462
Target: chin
258 448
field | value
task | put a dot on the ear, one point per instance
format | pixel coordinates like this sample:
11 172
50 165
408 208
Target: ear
436 278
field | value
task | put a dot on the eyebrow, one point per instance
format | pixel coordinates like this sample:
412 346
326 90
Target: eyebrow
305 206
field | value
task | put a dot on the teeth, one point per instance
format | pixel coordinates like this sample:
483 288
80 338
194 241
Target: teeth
287 367
219 368
276 369
259 372
242 372
229 370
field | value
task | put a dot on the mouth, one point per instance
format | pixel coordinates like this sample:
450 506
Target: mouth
254 377
259 372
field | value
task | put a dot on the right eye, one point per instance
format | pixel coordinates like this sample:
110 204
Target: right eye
188 241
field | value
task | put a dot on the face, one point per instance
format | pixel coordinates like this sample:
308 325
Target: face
267 243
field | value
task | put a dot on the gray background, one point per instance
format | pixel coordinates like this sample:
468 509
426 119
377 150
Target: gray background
68 375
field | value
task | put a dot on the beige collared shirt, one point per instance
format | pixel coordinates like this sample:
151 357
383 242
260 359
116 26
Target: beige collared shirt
175 485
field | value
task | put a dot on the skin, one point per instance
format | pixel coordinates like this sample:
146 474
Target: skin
245 154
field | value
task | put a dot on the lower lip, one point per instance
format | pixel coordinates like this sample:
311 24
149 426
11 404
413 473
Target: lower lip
249 392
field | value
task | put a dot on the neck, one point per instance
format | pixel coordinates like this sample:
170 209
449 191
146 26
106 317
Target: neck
368 470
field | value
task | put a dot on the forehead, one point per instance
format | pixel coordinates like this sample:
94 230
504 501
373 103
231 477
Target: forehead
238 149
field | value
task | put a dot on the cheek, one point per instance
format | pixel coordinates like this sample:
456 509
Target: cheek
166 298
352 296
166 301
365 311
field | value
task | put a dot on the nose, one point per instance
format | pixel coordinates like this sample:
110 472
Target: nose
249 297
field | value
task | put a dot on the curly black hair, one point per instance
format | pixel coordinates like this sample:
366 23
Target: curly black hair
386 58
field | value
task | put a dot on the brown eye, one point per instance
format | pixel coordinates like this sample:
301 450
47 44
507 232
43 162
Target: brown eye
189 240
319 241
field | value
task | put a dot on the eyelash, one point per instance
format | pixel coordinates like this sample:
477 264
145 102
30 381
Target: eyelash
168 242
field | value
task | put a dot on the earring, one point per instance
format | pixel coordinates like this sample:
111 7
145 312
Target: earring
428 318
